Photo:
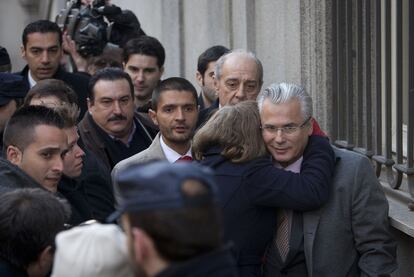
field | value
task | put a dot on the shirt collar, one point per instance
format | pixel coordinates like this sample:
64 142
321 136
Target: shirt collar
32 82
131 135
171 155
294 167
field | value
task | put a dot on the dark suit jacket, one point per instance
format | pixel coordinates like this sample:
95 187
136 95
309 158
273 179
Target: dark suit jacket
78 82
350 235
205 114
249 192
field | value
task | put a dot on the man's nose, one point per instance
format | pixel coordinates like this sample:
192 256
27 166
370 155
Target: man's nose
140 76
240 92
79 151
58 164
179 114
117 108
45 57
279 136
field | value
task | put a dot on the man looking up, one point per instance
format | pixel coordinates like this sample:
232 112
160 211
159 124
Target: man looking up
144 61
34 146
350 235
205 75
111 129
42 50
174 111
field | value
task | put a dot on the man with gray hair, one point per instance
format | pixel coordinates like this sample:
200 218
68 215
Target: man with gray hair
350 235
238 76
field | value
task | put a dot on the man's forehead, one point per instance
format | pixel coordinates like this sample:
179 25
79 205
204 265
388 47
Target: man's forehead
177 97
37 39
288 109
112 88
141 60
48 136
234 67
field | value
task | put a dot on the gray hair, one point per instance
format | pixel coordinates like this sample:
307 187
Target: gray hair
285 92
219 64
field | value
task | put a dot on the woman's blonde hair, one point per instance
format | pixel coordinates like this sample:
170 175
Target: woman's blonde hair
236 129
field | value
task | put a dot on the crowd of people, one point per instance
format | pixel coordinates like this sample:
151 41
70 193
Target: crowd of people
114 171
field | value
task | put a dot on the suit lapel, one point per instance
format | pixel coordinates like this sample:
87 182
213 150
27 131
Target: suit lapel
310 226
155 149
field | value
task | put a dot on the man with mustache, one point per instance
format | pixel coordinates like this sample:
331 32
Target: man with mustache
42 50
174 111
111 129
34 146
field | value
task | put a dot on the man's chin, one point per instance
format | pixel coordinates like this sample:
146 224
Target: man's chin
51 185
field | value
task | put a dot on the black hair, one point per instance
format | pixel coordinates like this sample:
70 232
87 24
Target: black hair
41 26
145 45
108 74
30 218
19 130
173 83
212 54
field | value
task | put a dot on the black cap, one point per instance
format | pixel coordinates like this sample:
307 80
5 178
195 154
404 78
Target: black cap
4 56
157 186
11 87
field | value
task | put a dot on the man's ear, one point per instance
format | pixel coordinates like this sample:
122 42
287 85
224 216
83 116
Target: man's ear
46 258
14 155
199 79
216 85
89 102
310 131
142 245
162 70
153 116
23 52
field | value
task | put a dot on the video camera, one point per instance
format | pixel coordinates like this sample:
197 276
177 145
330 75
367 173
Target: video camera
86 26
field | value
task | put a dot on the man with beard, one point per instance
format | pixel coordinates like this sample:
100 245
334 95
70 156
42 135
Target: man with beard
111 129
174 111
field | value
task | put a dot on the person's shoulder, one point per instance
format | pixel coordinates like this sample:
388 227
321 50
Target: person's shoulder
348 155
138 158
72 78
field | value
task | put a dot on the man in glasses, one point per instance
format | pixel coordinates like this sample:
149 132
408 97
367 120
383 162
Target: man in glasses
350 235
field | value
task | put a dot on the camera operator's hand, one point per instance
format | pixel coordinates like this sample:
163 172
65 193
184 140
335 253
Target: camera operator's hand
69 47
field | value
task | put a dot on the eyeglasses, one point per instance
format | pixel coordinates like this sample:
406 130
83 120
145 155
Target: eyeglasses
288 130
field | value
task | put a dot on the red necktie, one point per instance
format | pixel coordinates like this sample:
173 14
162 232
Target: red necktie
184 159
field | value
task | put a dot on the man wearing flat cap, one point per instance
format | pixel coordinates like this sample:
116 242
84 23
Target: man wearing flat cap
11 96
172 221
